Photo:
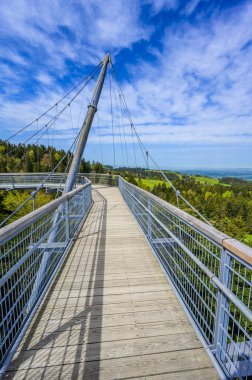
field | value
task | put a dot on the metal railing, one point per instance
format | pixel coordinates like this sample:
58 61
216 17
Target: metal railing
211 273
102 179
24 244
10 181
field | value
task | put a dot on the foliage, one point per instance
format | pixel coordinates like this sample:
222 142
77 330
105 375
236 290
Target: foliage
36 159
148 184
10 200
226 203
32 158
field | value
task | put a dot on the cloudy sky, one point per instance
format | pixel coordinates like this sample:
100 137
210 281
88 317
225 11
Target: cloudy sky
185 68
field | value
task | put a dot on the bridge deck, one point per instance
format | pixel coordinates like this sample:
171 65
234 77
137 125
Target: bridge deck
110 313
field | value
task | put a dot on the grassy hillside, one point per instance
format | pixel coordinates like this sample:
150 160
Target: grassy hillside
225 202
148 184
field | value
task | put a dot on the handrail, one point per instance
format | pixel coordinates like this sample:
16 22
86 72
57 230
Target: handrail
211 273
17 226
245 310
238 248
11 181
209 270
30 258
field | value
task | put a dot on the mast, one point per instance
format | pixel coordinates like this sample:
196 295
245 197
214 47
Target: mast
92 108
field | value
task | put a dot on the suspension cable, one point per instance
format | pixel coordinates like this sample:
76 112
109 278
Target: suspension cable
71 118
41 185
56 116
134 149
36 143
143 149
99 131
112 118
53 132
126 149
118 119
59 101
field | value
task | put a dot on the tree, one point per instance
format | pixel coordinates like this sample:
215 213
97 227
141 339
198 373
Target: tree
13 199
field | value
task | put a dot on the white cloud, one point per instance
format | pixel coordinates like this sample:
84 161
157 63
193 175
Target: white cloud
204 78
72 30
191 6
40 37
198 91
158 5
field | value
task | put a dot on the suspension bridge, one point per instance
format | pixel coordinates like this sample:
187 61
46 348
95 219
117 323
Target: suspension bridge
108 281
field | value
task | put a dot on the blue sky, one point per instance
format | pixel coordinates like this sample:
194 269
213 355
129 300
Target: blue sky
184 67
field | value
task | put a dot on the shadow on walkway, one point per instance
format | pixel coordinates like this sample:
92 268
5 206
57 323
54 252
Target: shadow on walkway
87 315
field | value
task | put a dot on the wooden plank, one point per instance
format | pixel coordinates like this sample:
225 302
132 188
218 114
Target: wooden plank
41 339
124 368
105 350
101 300
109 291
111 314
102 321
109 309
124 280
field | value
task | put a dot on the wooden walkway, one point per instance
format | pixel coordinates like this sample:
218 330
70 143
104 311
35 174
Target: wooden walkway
110 313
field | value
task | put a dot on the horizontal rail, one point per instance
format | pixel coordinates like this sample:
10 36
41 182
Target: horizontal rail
236 247
31 250
11 181
211 272
12 229
245 310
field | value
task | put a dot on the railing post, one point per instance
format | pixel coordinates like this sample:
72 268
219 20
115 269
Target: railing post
149 221
84 202
133 203
222 318
67 225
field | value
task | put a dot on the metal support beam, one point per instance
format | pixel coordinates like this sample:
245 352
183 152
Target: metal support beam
86 128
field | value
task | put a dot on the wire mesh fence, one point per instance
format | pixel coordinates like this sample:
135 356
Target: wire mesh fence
212 277
31 250
33 180
213 282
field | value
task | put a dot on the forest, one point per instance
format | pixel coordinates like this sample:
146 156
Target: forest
19 158
226 202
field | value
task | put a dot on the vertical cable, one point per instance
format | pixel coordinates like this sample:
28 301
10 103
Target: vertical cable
53 132
118 119
71 118
99 131
126 150
133 142
37 158
112 119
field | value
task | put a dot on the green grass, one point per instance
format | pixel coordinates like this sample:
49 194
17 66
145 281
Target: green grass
203 180
152 182
210 181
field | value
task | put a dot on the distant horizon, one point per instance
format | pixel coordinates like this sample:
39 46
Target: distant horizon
212 168
241 173
186 168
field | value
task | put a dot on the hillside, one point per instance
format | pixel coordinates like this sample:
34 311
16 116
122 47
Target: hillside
226 203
